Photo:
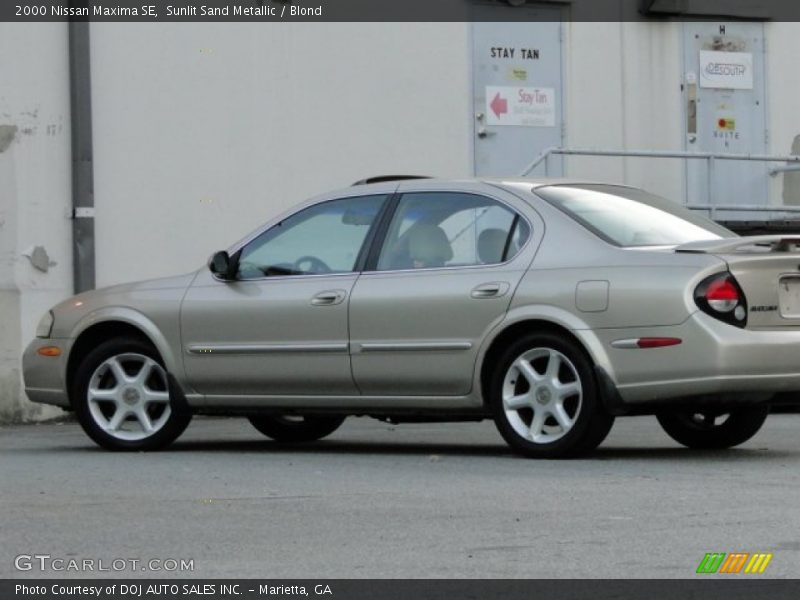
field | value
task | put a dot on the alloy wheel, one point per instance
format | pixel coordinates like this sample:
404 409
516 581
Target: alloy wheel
542 395
128 396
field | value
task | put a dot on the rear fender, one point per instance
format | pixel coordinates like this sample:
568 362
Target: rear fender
554 316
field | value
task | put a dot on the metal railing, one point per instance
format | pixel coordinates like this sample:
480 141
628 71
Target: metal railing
792 163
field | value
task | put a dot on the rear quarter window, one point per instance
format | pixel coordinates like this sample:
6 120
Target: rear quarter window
630 217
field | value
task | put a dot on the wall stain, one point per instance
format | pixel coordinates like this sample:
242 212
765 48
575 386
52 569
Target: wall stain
16 408
7 135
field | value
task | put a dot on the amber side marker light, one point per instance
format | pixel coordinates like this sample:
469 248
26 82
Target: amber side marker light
49 351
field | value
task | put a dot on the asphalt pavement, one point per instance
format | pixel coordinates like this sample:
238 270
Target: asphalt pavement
405 501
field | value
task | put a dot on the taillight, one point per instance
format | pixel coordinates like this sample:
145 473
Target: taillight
721 297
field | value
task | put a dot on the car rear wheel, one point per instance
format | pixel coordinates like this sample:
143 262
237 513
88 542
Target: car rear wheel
709 429
293 429
122 398
545 400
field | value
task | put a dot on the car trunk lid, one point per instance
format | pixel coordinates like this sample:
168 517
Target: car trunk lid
767 269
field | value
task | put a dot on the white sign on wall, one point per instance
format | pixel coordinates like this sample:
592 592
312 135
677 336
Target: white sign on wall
520 106
727 70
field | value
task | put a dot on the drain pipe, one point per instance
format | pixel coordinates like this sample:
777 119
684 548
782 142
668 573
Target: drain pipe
83 259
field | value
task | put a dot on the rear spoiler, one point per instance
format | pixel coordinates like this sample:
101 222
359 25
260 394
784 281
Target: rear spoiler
755 243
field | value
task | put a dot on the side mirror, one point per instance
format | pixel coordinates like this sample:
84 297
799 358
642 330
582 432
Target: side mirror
222 266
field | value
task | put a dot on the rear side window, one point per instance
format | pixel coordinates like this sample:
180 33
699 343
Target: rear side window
445 229
630 217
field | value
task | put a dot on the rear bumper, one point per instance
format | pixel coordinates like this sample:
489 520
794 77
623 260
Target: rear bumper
714 358
44 375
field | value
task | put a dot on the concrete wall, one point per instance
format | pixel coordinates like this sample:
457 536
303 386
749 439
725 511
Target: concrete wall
204 131
783 95
35 193
623 91
213 128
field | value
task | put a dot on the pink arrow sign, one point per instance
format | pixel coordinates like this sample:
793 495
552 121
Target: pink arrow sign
499 105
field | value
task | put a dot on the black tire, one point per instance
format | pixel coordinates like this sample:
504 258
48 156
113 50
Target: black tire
290 429
173 424
696 429
590 422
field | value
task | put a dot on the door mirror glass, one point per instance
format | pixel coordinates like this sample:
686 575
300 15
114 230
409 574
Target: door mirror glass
220 265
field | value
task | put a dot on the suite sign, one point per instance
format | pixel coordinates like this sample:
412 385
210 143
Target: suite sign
726 70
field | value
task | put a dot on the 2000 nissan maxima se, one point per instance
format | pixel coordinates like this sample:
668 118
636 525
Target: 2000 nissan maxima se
550 307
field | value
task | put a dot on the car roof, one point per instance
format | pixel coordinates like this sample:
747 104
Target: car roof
538 182
527 183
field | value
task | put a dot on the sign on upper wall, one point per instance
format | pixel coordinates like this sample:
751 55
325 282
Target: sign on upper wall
726 70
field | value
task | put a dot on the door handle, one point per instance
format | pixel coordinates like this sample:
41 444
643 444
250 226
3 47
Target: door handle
328 297
495 289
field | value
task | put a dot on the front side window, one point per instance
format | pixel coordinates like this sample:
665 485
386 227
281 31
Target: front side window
325 238
630 217
447 229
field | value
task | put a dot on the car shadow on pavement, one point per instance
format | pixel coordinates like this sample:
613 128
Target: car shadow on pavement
342 447
436 451
661 453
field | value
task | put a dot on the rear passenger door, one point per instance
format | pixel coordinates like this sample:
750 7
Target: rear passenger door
443 275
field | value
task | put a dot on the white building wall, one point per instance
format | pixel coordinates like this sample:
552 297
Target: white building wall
35 193
204 131
783 97
594 92
652 111
623 92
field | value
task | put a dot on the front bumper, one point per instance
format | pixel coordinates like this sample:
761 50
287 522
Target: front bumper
714 358
44 376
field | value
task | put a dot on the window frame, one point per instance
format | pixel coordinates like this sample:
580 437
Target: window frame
382 231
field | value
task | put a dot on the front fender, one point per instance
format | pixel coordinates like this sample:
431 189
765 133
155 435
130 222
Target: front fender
169 351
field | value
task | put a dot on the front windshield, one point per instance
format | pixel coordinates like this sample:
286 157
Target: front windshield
630 217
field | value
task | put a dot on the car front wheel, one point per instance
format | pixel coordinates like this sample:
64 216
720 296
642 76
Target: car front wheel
291 429
545 400
122 398
709 429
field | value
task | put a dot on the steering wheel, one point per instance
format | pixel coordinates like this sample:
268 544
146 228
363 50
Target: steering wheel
315 265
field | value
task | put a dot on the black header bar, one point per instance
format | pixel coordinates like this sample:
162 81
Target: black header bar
265 11
707 587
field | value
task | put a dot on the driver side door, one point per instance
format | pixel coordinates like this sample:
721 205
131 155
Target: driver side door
281 327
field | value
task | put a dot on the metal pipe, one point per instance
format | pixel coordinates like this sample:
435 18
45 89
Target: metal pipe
745 208
657 154
537 161
83 250
712 199
786 168
679 154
